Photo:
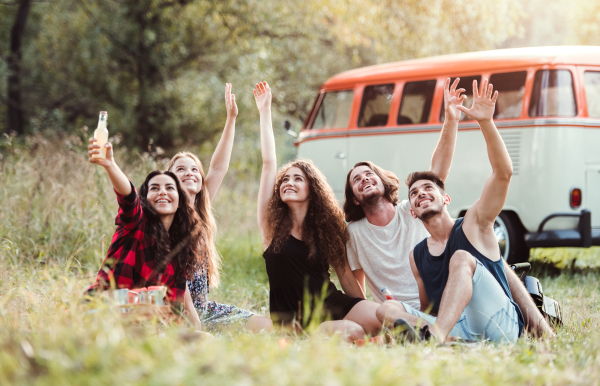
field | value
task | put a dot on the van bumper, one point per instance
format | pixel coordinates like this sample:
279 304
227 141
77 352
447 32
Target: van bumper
584 236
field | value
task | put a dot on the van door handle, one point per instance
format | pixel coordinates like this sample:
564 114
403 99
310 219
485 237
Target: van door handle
340 156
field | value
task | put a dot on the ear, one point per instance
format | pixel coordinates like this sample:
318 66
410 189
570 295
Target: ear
412 213
446 199
355 201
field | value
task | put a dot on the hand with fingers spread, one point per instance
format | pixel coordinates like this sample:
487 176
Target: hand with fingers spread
453 99
262 96
232 109
93 148
484 103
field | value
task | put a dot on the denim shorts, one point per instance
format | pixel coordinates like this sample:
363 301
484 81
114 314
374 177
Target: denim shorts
490 315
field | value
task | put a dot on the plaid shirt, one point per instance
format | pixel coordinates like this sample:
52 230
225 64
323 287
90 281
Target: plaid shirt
131 261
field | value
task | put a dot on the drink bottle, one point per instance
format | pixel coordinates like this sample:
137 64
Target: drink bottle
388 295
101 135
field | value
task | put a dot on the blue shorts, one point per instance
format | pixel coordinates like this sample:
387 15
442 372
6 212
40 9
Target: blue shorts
490 315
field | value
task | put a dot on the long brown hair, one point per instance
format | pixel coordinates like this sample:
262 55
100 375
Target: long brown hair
181 241
323 229
208 251
390 182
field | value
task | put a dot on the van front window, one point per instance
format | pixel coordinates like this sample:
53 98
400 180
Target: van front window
592 93
465 82
375 107
416 102
511 88
552 94
334 111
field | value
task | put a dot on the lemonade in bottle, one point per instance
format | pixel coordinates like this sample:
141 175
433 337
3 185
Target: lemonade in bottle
101 135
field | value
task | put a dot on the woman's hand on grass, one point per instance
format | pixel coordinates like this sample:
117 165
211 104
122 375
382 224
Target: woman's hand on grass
232 109
93 149
262 96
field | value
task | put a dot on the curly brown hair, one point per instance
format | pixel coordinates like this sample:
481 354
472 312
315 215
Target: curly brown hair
390 182
182 239
323 229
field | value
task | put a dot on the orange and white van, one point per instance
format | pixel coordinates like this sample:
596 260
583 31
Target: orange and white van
548 113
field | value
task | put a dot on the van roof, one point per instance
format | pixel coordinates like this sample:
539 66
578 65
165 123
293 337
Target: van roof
467 63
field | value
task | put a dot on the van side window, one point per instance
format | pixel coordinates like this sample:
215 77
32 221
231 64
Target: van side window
552 94
511 88
416 102
592 93
334 110
375 107
465 82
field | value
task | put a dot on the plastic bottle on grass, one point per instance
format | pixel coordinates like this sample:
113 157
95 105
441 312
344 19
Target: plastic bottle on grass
388 295
101 135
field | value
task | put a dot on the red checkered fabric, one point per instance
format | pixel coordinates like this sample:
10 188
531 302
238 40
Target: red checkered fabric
131 261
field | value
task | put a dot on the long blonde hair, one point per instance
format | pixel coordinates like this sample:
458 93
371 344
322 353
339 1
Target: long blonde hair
208 225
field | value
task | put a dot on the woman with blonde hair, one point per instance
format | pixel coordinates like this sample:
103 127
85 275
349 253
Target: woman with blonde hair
303 233
201 190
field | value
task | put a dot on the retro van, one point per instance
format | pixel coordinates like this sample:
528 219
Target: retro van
548 114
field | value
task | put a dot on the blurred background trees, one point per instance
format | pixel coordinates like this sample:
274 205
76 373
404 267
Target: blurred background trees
159 66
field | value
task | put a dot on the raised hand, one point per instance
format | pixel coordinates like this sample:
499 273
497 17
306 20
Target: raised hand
483 102
453 99
262 96
232 109
93 148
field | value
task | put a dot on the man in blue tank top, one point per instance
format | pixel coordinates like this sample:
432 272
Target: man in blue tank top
465 287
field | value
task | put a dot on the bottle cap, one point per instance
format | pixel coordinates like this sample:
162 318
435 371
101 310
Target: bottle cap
383 289
104 112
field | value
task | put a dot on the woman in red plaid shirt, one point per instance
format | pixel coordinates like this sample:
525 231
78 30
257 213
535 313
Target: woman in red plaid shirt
157 236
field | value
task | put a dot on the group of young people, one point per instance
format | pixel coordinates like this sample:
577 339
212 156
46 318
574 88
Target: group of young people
446 275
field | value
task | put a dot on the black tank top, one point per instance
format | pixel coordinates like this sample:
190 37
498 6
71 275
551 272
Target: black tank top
290 273
434 269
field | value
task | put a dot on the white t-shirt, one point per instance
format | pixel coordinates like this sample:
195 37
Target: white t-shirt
383 254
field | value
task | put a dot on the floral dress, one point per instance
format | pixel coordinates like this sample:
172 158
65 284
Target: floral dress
214 316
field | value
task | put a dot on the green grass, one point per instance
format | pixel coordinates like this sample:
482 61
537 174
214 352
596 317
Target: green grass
55 209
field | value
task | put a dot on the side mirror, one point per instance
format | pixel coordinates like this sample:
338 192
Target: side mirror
287 125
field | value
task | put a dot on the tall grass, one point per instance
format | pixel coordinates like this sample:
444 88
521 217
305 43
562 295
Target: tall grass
55 211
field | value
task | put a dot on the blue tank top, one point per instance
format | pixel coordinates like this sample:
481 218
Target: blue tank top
434 269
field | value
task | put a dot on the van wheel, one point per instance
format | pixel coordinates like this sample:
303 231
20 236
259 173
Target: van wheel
511 238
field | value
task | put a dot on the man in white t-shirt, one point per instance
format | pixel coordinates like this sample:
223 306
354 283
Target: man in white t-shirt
382 230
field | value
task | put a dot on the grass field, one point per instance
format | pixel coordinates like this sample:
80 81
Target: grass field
56 218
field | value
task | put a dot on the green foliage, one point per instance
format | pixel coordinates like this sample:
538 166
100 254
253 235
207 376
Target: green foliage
159 66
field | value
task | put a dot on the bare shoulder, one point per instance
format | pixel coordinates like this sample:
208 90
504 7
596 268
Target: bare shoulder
481 236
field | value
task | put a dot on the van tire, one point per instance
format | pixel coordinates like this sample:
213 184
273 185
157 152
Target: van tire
509 223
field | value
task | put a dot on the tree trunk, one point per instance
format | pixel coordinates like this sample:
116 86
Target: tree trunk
15 107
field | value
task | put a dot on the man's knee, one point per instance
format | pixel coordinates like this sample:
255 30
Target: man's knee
388 307
462 260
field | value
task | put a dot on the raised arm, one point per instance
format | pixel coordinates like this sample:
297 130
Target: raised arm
262 96
219 163
117 178
444 150
495 190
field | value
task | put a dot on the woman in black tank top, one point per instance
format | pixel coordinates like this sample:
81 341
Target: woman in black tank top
303 233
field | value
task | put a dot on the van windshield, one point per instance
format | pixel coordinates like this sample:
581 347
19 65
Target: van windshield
465 82
511 88
416 102
552 94
334 110
592 93
375 107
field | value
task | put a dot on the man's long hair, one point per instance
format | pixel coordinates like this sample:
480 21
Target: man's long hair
182 239
323 229
390 182
208 254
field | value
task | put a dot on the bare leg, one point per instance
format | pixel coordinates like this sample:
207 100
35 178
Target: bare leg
390 310
258 323
457 294
352 331
363 313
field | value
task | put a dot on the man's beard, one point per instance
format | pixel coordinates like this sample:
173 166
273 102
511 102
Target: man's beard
371 201
428 215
